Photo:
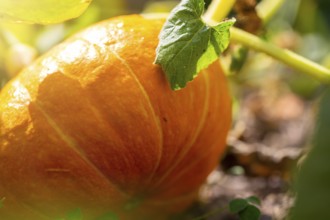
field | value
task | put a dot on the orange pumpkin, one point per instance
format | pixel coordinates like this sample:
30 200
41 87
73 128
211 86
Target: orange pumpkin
93 124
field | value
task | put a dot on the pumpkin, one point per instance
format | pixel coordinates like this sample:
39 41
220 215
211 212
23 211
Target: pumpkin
93 124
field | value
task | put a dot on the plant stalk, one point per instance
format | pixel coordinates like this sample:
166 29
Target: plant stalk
251 41
266 9
288 57
219 9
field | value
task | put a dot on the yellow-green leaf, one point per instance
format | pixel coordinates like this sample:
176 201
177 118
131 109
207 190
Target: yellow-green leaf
42 12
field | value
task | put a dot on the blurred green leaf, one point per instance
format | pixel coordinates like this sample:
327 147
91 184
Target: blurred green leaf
108 216
254 200
313 180
74 215
305 86
249 213
42 12
237 205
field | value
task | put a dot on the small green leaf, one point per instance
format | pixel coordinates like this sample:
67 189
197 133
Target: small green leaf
253 200
237 205
74 215
108 216
42 12
249 213
187 45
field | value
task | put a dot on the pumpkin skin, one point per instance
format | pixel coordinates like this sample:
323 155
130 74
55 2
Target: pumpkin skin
93 124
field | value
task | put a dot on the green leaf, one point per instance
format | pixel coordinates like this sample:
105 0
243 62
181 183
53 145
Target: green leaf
249 213
187 45
108 216
312 184
42 12
253 200
74 215
237 205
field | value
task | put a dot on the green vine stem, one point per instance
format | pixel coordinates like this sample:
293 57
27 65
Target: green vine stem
267 8
288 57
219 9
251 41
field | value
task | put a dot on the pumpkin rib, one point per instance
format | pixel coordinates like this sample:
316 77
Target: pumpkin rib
75 148
94 106
187 167
98 114
144 92
203 118
68 140
91 103
207 78
192 140
204 153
